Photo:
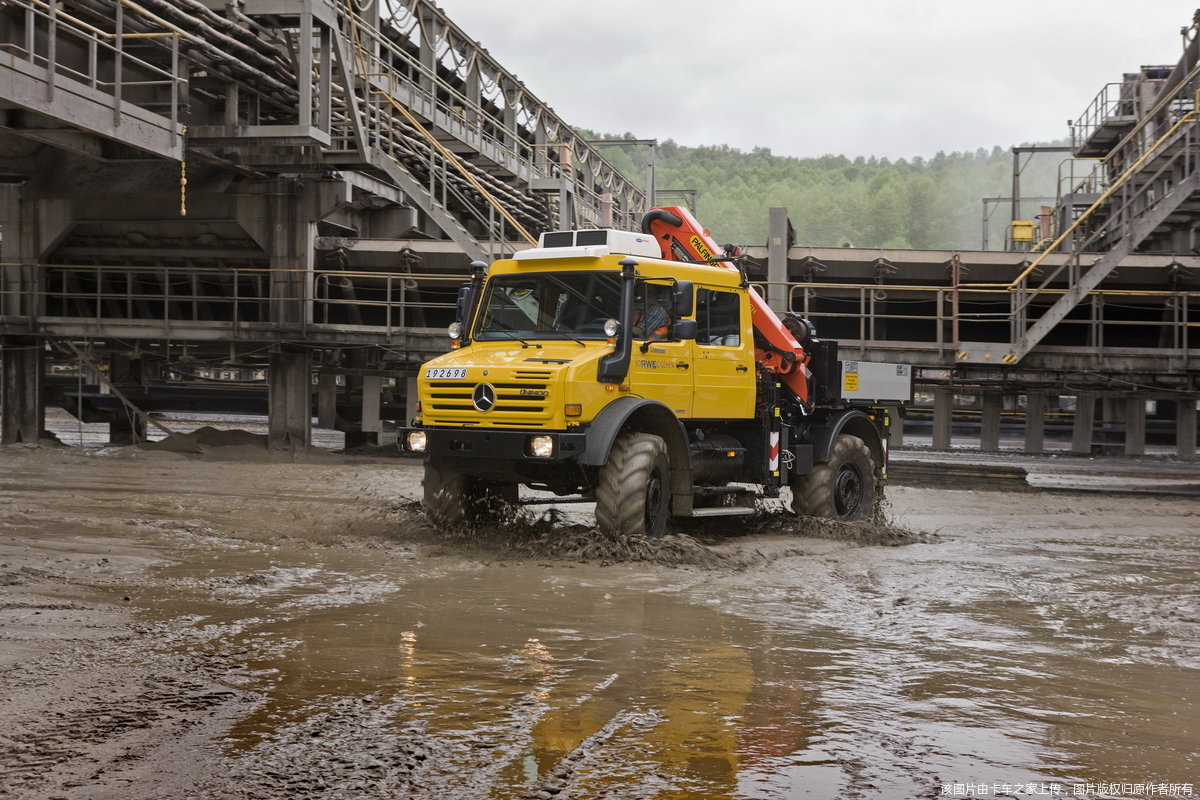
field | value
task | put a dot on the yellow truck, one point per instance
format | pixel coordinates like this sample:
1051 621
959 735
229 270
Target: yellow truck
641 371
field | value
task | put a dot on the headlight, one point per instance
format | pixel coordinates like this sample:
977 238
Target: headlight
417 441
455 330
541 446
611 328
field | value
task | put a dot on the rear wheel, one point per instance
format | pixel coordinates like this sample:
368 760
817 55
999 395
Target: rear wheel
841 488
633 496
452 499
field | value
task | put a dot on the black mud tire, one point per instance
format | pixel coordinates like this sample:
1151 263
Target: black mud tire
633 495
841 488
453 500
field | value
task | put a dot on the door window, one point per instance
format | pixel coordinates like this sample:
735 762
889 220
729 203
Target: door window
718 320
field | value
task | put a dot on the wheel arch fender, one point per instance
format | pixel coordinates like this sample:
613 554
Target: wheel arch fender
850 421
643 416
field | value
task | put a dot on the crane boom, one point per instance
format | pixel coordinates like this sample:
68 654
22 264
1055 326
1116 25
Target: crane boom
682 238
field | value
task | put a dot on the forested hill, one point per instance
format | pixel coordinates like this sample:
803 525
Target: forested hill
920 203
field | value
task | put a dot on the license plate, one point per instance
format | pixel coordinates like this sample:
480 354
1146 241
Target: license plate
446 373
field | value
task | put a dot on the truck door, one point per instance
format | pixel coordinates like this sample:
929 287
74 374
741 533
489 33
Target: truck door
661 365
724 371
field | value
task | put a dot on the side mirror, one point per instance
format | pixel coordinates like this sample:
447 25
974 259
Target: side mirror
685 329
462 305
683 298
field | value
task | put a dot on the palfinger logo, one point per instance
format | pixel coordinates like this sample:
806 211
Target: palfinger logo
484 397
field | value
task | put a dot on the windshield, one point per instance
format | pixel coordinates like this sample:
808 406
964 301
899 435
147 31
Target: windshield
562 305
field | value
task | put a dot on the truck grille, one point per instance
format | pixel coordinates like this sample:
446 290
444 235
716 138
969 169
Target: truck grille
520 402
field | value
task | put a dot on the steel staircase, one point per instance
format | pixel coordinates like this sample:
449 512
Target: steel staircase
1152 179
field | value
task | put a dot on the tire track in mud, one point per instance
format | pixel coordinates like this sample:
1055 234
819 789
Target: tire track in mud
79 716
362 748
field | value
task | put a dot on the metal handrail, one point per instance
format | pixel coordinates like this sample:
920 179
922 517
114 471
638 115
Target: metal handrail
377 66
392 302
170 295
1101 109
97 38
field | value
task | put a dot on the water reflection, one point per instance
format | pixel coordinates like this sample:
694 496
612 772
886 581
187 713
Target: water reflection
847 675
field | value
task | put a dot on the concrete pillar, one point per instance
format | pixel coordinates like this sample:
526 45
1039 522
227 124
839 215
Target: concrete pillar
22 398
1035 422
291 251
1112 410
31 227
1135 426
13 298
989 426
1185 428
1112 418
289 425
372 391
125 373
779 239
369 430
1085 420
281 216
896 427
327 400
126 427
943 410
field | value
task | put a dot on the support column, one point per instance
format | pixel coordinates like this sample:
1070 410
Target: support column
281 216
289 426
125 374
779 239
1085 420
126 428
1035 422
372 425
943 410
1135 426
989 426
1112 417
327 400
1185 428
22 398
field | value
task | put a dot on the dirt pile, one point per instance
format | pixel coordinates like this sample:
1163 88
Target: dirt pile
203 440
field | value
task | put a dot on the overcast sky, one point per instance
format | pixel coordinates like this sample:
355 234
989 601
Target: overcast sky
855 77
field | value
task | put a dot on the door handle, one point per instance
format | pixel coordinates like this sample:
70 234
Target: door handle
741 368
682 365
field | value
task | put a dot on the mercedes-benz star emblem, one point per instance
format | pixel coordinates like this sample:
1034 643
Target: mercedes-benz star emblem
484 397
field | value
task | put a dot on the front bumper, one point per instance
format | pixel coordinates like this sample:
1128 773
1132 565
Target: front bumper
492 444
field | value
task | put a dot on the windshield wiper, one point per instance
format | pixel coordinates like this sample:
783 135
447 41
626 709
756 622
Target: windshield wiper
524 343
573 339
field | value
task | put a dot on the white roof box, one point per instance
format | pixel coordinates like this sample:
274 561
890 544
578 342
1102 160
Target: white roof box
591 243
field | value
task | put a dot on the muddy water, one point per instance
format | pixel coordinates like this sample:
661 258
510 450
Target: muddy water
1034 638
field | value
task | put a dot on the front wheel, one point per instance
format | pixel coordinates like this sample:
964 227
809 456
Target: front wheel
452 499
633 495
841 488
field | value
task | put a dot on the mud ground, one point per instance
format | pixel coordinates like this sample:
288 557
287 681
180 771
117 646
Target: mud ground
183 627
